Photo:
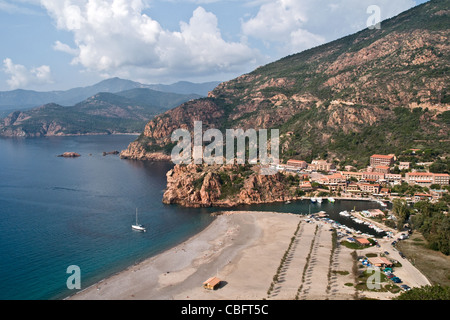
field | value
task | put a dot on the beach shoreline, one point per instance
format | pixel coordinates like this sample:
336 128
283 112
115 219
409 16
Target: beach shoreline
179 272
256 255
136 264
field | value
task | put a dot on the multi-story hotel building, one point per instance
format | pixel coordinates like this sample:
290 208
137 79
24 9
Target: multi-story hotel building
441 178
350 174
427 178
381 160
297 164
369 188
322 165
373 176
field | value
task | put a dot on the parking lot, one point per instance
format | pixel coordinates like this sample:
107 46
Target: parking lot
403 274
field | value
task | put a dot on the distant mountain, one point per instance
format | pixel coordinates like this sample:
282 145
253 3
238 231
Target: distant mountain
103 113
185 87
24 99
376 91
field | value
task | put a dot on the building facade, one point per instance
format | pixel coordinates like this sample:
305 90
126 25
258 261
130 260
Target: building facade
381 160
369 188
441 178
427 178
296 164
373 176
321 165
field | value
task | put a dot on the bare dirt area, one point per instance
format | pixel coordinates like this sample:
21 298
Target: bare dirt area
433 264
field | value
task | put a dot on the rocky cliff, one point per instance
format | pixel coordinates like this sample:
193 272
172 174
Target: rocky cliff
226 186
373 91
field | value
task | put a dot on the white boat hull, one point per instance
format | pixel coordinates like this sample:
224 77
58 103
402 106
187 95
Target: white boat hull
138 228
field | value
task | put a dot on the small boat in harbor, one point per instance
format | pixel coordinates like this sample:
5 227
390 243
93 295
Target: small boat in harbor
137 226
344 213
322 214
319 200
331 199
313 200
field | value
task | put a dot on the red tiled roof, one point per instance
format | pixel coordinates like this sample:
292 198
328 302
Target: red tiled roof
363 240
296 161
420 174
374 173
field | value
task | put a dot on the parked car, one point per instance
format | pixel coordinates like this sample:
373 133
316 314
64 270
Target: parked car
396 280
405 287
386 253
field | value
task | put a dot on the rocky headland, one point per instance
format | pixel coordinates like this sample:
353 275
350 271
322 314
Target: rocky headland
226 186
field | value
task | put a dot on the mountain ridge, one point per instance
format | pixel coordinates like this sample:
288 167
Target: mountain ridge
23 99
102 113
372 91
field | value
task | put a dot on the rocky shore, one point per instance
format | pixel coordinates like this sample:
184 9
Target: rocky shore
69 155
136 151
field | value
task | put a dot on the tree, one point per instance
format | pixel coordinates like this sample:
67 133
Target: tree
435 292
433 224
401 211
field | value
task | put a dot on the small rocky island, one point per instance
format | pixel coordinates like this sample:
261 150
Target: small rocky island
110 153
70 155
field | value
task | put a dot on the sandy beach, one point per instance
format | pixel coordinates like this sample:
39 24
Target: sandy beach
244 250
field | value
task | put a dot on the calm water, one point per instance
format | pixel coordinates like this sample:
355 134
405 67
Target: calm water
56 212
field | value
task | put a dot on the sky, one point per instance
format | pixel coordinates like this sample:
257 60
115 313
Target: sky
61 44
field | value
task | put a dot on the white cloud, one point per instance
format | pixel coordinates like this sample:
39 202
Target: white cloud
59 46
115 37
18 6
296 25
20 76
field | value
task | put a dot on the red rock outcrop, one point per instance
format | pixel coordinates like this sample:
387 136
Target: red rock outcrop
224 186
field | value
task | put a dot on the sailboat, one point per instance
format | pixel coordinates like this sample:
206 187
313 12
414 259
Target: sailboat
138 226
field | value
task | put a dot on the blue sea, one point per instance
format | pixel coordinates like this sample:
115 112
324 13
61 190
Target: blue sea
58 212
